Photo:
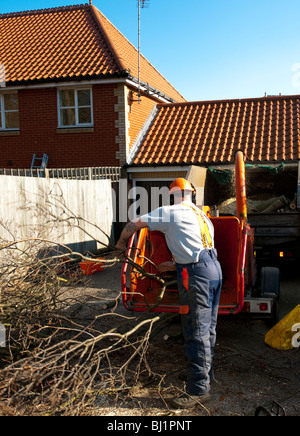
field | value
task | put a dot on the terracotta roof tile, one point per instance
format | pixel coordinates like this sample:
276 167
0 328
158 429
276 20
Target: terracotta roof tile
267 129
53 44
68 43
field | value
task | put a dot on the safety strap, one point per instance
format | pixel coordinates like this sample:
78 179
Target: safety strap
207 243
205 233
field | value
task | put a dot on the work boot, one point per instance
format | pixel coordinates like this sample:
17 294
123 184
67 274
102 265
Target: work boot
189 401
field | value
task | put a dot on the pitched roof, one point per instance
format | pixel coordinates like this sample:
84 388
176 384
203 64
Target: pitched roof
69 43
209 132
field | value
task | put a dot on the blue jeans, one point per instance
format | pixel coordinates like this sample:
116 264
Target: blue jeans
199 286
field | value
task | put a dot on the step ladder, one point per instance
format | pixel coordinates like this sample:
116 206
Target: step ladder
39 163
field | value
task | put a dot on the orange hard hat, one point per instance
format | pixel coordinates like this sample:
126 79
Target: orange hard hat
181 185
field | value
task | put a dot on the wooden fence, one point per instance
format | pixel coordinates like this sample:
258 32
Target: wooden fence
63 211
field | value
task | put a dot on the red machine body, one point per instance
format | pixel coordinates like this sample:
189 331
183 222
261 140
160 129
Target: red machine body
234 241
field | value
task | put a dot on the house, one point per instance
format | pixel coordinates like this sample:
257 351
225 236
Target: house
185 139
69 89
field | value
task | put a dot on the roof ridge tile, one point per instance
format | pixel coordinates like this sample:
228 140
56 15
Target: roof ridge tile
107 38
44 11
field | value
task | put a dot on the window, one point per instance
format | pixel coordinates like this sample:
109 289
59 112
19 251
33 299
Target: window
75 108
9 112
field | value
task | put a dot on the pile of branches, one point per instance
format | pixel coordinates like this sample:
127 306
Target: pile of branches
52 363
65 376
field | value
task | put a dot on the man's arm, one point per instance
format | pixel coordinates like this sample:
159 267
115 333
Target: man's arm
130 228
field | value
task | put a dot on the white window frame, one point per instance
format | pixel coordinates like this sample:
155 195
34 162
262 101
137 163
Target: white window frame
77 124
3 111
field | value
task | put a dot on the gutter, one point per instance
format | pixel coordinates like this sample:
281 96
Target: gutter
87 81
56 81
149 90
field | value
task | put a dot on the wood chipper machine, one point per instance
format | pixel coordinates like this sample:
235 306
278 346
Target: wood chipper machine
245 289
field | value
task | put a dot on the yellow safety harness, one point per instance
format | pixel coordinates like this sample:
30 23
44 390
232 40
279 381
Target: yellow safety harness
207 243
205 233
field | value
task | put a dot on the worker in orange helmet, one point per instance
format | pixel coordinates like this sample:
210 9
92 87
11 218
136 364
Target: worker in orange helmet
190 237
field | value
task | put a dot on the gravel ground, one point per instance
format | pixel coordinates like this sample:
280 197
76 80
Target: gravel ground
248 373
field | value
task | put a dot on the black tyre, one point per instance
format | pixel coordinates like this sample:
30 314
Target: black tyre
270 282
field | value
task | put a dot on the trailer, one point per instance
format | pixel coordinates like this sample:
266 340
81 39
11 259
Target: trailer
273 200
246 289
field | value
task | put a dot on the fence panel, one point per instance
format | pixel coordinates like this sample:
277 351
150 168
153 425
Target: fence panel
60 210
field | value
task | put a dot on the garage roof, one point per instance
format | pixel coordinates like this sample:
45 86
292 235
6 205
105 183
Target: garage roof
209 132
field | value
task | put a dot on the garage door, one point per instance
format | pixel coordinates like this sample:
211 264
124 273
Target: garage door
155 195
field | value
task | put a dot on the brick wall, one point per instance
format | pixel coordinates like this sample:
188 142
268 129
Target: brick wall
138 113
117 122
66 148
132 115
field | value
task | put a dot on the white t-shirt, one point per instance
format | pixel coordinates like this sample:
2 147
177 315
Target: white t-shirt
181 227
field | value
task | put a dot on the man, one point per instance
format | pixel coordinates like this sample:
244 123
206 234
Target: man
190 237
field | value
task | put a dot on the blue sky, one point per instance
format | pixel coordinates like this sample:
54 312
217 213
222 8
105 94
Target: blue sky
209 49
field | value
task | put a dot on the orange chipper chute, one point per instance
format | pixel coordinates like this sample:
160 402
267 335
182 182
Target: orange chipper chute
240 183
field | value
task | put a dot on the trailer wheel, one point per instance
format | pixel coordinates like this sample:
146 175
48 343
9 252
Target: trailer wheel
270 288
270 282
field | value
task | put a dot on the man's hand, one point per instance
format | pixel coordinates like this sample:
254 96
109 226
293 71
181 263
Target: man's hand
120 247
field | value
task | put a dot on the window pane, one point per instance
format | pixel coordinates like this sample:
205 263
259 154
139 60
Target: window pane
84 97
67 98
12 120
11 102
67 117
84 115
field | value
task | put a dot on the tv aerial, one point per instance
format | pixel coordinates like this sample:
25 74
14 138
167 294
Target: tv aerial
142 4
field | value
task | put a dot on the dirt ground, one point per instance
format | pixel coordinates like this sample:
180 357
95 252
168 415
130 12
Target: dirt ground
248 373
